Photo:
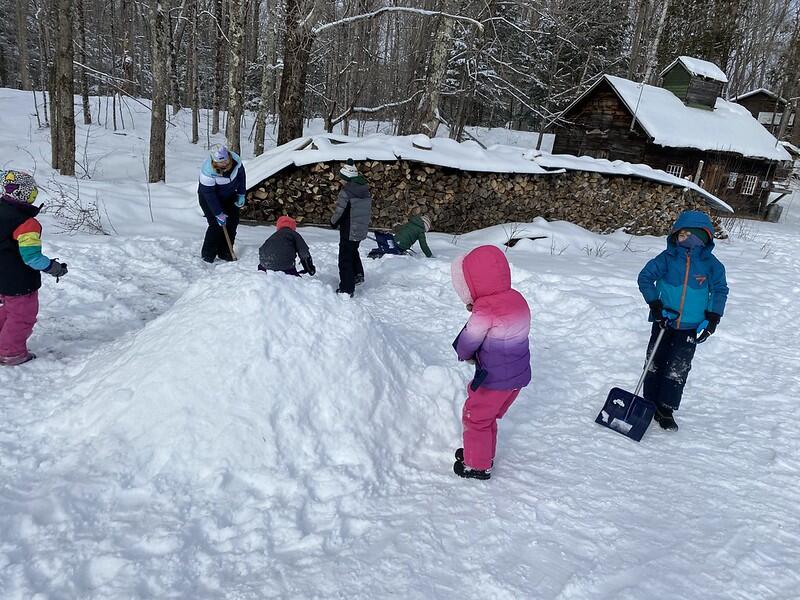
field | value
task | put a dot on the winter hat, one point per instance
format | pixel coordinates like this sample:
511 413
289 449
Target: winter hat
426 220
348 171
285 221
20 186
219 153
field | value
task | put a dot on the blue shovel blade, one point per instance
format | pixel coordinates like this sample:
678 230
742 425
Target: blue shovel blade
626 414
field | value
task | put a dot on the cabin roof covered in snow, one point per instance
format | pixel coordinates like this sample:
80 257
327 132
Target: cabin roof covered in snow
699 67
465 156
669 122
762 90
791 148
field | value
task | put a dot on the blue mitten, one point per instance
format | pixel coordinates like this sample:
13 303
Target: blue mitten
222 218
240 201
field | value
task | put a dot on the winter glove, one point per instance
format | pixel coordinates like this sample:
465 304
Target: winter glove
713 320
239 201
656 306
221 219
308 265
56 269
663 316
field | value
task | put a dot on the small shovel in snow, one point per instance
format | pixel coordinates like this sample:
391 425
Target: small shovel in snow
626 413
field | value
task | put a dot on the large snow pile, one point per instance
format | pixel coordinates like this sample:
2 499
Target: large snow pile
255 374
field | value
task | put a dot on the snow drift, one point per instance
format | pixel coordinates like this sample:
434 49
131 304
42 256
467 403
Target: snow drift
256 373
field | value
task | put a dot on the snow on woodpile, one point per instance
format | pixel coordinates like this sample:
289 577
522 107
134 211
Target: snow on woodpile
464 156
568 162
443 152
728 128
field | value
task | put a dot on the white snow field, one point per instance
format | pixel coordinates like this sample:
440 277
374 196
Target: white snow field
216 432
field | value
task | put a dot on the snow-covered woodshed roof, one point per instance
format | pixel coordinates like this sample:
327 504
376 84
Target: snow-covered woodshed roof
699 67
464 156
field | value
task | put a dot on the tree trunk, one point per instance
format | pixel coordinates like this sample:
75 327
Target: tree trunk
175 42
233 127
64 72
642 14
267 79
219 64
192 86
159 53
426 118
652 55
296 52
87 113
22 45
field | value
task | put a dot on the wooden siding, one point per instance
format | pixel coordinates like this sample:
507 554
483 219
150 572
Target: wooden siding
600 127
703 93
677 81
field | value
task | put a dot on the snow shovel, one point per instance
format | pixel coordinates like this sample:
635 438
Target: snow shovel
626 413
228 240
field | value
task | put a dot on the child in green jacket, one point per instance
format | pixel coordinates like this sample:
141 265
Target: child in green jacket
414 231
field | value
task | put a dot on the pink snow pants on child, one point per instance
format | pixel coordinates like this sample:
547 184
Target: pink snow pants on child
17 318
479 417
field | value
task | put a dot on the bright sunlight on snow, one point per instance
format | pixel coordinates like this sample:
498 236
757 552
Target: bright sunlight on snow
198 431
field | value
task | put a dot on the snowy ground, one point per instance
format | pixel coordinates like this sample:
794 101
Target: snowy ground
214 432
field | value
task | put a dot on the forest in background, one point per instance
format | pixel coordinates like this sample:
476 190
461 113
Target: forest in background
418 64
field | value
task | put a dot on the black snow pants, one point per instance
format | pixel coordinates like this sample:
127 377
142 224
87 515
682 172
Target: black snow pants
664 381
214 244
350 266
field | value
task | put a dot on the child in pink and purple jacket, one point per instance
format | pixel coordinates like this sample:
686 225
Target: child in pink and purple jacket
496 339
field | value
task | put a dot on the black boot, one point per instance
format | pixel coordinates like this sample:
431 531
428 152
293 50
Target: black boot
462 470
359 278
460 456
664 418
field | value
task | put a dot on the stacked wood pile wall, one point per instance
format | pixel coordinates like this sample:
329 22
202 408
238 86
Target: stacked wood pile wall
461 201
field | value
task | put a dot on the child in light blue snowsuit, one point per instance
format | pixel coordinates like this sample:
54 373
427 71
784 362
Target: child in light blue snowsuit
686 290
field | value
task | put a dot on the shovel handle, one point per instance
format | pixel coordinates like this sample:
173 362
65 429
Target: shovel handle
228 240
649 361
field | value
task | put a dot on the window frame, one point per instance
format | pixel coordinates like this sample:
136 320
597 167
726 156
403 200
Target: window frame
672 168
749 185
733 180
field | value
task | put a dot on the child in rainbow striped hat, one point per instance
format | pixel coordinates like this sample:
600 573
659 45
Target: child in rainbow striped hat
21 264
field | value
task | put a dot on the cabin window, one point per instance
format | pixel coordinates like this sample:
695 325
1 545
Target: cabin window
749 185
676 170
732 178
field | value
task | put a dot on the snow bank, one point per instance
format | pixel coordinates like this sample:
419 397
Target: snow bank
261 375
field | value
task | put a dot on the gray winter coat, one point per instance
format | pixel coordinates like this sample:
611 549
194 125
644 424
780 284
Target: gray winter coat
353 211
278 252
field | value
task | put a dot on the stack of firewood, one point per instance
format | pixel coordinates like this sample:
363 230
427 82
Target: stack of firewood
460 201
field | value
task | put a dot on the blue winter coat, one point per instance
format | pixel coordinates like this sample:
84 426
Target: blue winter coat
688 282
215 189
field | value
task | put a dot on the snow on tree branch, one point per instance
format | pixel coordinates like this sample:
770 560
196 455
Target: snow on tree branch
403 9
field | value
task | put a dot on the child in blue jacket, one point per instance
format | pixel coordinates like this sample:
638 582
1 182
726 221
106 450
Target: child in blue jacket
686 290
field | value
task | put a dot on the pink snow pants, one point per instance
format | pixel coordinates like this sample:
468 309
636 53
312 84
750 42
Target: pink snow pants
17 318
479 417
